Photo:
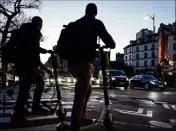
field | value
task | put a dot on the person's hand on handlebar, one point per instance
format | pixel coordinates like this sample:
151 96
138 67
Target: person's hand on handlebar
49 51
104 46
51 75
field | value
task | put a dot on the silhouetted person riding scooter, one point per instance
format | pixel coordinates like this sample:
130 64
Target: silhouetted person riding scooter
28 59
80 67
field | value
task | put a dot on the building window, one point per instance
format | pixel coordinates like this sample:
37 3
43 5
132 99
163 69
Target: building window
153 46
137 56
137 48
137 63
130 57
145 55
153 54
145 63
145 47
125 58
174 57
174 46
152 62
130 64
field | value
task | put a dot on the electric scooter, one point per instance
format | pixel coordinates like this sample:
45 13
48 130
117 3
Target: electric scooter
60 111
106 117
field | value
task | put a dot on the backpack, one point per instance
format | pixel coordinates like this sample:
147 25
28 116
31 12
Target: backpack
68 45
9 49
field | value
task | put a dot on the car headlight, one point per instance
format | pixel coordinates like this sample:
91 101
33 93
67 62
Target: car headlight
97 81
59 79
68 80
52 80
153 83
74 80
127 79
165 83
113 78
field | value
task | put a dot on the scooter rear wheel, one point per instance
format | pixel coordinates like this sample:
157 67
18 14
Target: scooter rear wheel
61 113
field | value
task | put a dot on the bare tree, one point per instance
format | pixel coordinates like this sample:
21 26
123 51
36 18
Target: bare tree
12 15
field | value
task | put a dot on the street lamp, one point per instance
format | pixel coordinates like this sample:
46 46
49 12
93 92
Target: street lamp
147 16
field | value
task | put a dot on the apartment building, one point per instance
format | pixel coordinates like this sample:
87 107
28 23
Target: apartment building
128 53
119 57
142 53
145 53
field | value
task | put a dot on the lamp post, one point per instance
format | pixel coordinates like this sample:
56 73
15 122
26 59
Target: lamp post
153 19
146 17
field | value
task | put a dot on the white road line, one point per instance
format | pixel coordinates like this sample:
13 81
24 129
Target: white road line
149 113
67 102
160 102
140 110
112 95
68 107
173 106
166 106
68 114
94 100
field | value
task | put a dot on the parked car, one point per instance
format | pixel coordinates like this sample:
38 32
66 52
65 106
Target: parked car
147 82
116 78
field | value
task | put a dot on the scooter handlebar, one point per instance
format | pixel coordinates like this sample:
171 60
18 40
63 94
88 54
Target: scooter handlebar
50 52
102 47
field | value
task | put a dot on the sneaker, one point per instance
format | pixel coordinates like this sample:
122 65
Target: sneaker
86 122
23 111
63 126
17 118
40 110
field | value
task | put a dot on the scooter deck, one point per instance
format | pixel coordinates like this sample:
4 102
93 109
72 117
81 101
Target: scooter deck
65 126
34 121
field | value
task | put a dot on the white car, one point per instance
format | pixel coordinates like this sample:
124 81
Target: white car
95 81
66 78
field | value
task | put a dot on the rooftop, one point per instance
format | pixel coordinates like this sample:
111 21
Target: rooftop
141 41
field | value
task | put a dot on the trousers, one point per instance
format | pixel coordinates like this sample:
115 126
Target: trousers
83 89
27 77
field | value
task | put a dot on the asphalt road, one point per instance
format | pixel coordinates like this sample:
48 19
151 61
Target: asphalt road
132 110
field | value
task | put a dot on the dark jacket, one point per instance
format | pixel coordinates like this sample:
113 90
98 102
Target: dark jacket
92 28
28 48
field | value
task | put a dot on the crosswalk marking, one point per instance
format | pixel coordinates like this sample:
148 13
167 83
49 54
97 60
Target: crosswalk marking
174 107
68 114
149 113
140 110
166 106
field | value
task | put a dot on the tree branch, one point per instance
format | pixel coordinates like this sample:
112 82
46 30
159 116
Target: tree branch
3 11
2 27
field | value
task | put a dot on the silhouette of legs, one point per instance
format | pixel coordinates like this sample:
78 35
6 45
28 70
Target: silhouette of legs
82 72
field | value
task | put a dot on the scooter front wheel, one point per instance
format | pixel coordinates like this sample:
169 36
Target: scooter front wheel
108 120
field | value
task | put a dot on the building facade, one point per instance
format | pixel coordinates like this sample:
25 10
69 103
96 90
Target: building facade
142 53
148 50
119 57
